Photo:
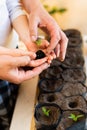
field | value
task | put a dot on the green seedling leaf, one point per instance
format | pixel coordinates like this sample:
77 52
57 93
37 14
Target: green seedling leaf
79 116
38 41
74 117
45 111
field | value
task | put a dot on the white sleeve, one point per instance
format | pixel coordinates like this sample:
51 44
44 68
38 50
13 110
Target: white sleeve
14 8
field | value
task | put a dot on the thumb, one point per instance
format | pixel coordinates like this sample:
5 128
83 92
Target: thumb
20 61
33 27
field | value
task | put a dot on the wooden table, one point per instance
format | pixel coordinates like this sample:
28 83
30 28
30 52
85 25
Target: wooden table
24 109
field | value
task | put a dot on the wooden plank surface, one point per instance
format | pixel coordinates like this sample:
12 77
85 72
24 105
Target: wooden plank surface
23 114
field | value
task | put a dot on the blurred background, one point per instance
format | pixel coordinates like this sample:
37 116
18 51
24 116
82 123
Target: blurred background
68 14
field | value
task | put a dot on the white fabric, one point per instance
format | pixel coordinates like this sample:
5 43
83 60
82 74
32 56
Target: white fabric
14 8
9 10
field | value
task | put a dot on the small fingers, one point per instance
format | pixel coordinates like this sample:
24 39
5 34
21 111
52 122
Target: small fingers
19 52
44 44
19 61
35 63
36 71
51 56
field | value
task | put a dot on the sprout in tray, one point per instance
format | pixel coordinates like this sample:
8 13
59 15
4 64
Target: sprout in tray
75 117
45 111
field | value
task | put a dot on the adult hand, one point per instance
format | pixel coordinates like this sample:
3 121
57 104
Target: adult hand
24 34
39 17
11 62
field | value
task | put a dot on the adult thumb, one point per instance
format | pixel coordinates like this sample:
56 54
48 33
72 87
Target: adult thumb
20 61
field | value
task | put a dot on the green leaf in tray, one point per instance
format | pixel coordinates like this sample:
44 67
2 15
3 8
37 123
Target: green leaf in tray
75 117
45 111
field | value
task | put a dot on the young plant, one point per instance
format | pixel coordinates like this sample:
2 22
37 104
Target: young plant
38 41
74 117
45 111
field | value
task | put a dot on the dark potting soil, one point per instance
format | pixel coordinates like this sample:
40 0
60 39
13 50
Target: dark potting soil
56 62
74 75
74 42
74 51
40 54
56 98
50 85
67 122
63 84
71 89
75 103
72 33
74 36
53 72
44 121
73 61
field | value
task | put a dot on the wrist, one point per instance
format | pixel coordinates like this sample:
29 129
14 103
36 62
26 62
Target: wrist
30 6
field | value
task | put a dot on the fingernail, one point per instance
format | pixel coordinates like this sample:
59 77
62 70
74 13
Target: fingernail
55 57
33 38
62 58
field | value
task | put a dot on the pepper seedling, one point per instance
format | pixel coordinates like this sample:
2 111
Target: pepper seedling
75 117
45 111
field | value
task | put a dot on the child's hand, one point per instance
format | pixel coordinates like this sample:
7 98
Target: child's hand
38 45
